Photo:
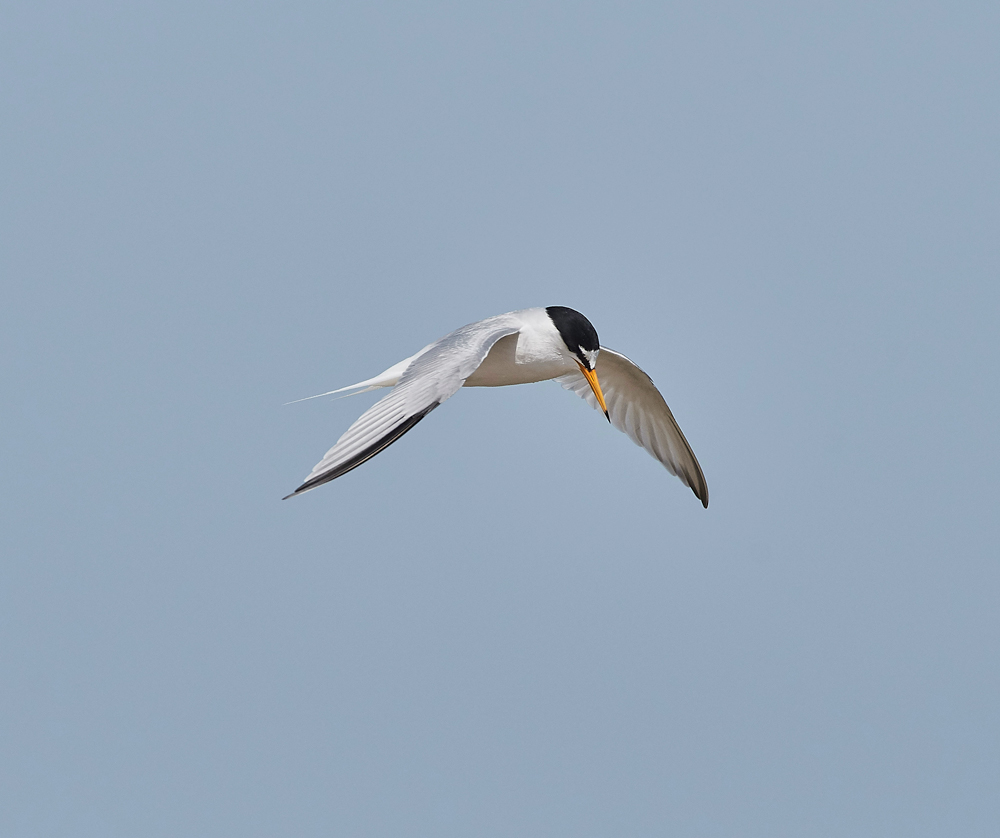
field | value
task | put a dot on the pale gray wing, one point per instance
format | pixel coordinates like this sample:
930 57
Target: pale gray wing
434 376
637 408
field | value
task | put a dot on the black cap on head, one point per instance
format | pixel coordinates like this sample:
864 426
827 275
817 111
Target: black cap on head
577 332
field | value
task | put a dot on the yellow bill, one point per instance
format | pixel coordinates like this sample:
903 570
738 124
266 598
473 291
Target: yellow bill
595 385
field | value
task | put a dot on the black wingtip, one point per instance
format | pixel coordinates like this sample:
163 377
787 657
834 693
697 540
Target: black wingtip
365 455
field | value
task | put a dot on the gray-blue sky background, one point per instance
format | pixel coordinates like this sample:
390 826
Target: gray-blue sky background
514 621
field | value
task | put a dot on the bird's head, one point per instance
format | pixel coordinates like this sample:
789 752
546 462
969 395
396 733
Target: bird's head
580 337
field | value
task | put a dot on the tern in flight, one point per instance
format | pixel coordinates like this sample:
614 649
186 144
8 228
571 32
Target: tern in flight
520 347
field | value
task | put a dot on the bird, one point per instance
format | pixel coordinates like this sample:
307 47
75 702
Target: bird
519 347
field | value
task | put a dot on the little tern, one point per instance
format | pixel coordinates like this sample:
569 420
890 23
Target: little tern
520 347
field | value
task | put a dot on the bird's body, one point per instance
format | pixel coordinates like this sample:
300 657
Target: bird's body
520 347
531 354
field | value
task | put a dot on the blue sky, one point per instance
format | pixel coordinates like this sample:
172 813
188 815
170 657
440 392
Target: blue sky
513 621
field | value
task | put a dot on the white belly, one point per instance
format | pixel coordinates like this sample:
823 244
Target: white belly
509 363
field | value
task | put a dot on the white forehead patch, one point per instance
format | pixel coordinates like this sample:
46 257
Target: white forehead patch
591 357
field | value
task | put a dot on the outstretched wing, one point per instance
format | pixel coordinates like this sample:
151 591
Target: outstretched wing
637 408
433 376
